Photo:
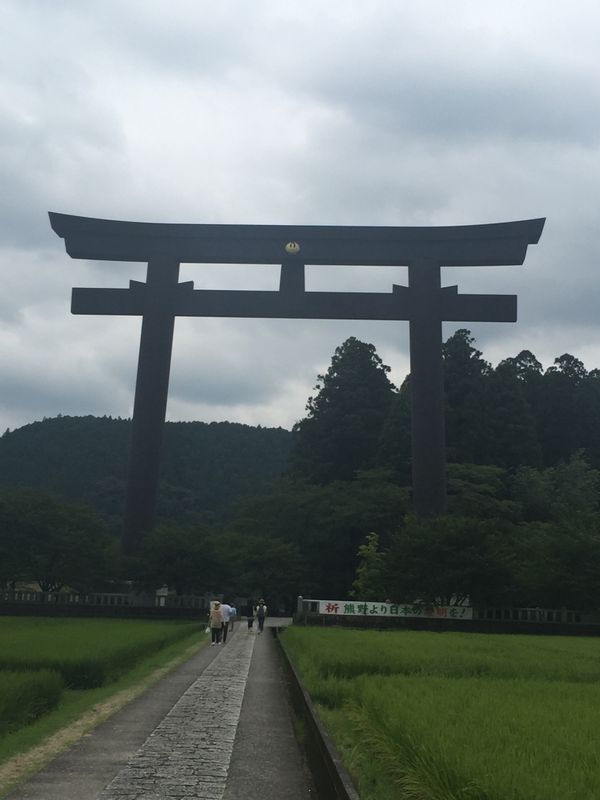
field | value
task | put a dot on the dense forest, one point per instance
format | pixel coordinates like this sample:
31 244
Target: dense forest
205 467
325 510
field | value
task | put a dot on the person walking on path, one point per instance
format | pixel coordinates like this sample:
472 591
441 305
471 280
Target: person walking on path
215 621
250 614
261 613
226 611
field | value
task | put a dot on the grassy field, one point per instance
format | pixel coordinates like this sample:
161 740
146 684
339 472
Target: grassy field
428 716
52 670
86 652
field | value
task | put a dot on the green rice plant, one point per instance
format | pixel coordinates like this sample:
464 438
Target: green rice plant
419 772
333 692
520 739
87 653
25 696
448 716
345 653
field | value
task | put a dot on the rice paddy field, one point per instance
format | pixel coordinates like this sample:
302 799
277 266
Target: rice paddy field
456 716
43 659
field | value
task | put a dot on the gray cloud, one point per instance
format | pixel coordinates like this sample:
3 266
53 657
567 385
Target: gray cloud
344 113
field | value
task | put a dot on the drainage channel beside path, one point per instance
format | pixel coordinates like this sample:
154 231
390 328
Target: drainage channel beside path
218 728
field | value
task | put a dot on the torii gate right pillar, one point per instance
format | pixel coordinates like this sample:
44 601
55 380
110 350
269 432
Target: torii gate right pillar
427 389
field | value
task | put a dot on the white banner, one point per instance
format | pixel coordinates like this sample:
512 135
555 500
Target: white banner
341 608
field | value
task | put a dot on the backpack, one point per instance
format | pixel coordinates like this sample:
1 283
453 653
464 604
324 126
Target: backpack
260 610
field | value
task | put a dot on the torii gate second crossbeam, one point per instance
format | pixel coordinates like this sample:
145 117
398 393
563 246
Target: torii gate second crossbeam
424 303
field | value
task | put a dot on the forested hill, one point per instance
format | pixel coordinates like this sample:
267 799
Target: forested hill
205 468
523 522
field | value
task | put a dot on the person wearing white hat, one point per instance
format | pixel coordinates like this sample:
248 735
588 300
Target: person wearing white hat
260 614
215 620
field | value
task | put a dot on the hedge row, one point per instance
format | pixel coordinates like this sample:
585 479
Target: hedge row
25 696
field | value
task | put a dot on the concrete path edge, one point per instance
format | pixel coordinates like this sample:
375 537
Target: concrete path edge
331 777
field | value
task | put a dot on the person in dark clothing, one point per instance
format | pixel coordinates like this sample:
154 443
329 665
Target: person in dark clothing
250 614
261 613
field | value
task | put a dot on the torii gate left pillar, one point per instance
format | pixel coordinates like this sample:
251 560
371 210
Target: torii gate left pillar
428 428
424 303
151 394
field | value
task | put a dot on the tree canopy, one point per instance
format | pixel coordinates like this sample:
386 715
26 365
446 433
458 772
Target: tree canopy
53 543
236 516
340 434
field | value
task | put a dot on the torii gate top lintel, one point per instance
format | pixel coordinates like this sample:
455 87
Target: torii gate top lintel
496 244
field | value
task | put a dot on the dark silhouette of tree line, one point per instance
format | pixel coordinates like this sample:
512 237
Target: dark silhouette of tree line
325 510
205 467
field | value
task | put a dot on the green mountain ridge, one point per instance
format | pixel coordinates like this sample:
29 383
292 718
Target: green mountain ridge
205 467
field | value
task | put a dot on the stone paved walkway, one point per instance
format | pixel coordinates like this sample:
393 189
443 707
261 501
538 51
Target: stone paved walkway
188 754
219 727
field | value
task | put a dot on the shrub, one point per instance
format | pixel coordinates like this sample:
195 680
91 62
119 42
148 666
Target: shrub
25 696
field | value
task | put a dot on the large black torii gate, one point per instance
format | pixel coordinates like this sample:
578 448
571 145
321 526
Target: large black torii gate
424 303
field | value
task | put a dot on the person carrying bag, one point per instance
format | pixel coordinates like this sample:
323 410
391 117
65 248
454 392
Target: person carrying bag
215 621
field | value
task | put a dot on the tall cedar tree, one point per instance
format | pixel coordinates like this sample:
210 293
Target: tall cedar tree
513 438
395 447
465 372
558 415
341 433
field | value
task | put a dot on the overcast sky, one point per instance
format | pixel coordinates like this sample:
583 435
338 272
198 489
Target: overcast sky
382 112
